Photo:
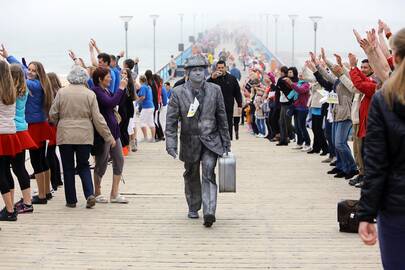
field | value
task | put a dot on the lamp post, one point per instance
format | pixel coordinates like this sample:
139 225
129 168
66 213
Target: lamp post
126 20
154 18
194 17
276 16
293 17
181 27
315 20
267 30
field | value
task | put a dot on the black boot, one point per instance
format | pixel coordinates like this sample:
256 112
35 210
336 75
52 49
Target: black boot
209 220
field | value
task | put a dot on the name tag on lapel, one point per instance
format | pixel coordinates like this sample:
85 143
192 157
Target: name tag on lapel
193 108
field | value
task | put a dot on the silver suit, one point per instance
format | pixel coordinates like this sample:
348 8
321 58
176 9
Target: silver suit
203 138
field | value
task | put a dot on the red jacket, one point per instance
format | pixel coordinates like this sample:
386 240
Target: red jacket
368 87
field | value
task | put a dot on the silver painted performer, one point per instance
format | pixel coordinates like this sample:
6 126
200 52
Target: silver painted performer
204 135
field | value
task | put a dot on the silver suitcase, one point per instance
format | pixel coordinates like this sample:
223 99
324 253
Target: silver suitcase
227 173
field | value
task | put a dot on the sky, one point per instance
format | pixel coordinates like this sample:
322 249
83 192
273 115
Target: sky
45 29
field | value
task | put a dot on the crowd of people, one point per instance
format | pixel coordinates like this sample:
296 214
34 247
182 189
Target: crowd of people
359 99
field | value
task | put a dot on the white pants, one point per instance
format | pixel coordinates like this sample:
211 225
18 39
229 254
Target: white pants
147 118
162 117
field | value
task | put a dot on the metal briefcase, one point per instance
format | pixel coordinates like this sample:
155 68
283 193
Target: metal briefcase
227 173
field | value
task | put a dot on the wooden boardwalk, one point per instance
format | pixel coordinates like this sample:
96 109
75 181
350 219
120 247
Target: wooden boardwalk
283 216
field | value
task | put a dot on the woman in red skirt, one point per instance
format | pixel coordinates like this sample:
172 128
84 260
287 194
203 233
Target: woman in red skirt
18 162
36 114
9 144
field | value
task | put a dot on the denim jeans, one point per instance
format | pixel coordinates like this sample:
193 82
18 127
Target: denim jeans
261 126
391 237
300 123
82 152
344 155
329 138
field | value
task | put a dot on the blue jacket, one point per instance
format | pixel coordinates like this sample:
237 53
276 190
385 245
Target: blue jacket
34 109
20 123
164 96
236 73
115 83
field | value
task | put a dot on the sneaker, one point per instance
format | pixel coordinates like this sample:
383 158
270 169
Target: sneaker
352 174
356 180
306 148
49 196
24 208
328 160
297 147
333 163
312 151
324 153
101 199
37 200
91 201
334 171
119 199
359 184
71 205
21 201
134 146
7 216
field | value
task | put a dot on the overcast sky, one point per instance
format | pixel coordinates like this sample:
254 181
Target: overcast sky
47 28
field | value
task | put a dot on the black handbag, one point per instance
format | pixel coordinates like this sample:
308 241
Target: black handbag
347 216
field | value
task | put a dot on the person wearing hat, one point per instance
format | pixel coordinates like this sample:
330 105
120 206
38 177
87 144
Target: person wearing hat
199 106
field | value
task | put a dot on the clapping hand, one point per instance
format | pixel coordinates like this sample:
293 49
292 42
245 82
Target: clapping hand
352 60
72 55
338 59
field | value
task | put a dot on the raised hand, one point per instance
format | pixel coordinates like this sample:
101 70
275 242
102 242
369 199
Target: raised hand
338 59
310 65
380 26
372 38
121 53
313 57
357 35
352 60
323 54
337 70
72 55
3 51
123 83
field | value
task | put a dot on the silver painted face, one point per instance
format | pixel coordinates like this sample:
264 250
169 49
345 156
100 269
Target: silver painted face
197 74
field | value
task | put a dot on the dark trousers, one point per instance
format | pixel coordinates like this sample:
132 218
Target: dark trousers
319 136
82 153
286 129
274 121
18 165
391 236
236 121
159 131
229 116
53 161
38 159
300 118
6 179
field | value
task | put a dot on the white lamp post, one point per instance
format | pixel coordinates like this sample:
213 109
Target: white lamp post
276 16
126 20
315 20
154 18
293 17
181 27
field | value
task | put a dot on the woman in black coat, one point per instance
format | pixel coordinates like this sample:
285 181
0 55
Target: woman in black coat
383 193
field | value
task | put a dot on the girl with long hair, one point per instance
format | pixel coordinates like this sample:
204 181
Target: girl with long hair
24 205
36 114
9 143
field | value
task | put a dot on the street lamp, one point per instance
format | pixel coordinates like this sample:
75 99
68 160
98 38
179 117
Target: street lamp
267 30
293 17
154 18
315 19
126 20
181 27
276 16
194 17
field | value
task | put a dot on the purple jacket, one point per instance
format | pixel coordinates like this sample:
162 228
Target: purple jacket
107 103
303 94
